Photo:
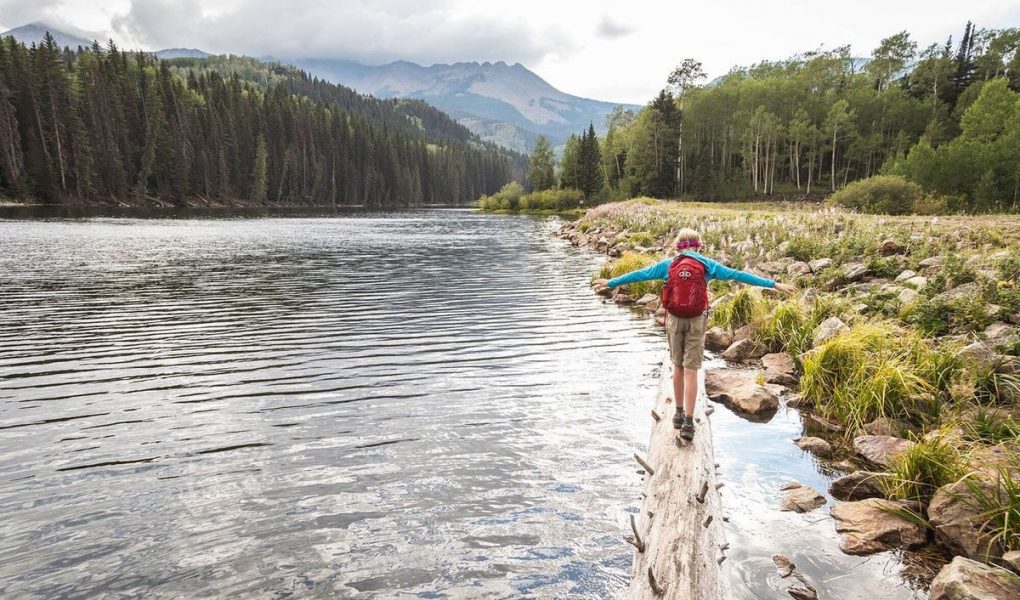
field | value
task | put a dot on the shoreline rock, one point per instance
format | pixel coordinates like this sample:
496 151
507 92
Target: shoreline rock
869 526
880 449
739 391
965 579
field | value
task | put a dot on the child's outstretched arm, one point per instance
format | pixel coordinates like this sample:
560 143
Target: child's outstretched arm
718 270
659 270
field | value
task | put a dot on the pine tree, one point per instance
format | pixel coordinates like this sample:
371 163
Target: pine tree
540 172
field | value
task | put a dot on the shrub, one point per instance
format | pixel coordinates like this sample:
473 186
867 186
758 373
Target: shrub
881 194
552 200
928 464
938 317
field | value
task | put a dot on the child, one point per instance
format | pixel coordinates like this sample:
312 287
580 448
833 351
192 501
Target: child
685 297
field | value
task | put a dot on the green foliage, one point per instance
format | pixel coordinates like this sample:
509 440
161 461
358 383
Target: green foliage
935 317
992 427
866 373
745 307
541 166
881 194
954 272
552 200
507 198
928 464
103 125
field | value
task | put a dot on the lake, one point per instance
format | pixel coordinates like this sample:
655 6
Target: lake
425 404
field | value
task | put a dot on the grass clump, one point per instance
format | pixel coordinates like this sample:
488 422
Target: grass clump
992 427
632 261
928 464
868 372
744 307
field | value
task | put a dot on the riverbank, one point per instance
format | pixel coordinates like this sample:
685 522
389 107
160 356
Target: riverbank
900 352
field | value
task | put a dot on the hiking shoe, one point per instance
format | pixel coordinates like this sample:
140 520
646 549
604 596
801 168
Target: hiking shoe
678 419
687 431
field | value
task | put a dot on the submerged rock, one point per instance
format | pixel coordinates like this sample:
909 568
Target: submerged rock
717 339
739 391
859 485
880 449
965 579
814 445
800 498
870 526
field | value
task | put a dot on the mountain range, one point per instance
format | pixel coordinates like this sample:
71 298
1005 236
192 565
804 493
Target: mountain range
505 104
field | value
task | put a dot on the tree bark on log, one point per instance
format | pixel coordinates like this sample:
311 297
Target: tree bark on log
680 522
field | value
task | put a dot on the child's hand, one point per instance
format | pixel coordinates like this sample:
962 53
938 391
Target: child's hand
786 288
601 283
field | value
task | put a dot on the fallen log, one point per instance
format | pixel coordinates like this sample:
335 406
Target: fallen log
682 542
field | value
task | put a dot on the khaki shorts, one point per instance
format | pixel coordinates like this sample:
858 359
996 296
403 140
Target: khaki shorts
686 340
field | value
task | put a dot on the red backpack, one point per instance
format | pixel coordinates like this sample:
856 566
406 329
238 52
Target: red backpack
686 291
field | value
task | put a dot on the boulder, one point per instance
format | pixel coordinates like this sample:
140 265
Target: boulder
954 513
999 333
828 329
859 485
800 498
775 267
779 369
779 378
933 261
717 339
814 445
905 275
622 298
799 268
907 296
917 282
970 290
739 391
605 292
1012 560
965 579
797 401
978 353
742 333
881 426
647 299
890 247
817 421
870 526
819 264
880 449
742 350
854 271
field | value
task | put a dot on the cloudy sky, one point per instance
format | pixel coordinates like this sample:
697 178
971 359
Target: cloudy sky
619 51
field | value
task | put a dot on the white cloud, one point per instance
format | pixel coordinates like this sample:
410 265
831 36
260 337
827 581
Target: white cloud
587 48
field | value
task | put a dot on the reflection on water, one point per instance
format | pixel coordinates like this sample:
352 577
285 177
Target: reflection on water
430 402
426 404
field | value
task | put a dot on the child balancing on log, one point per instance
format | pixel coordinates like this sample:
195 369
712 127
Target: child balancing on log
685 298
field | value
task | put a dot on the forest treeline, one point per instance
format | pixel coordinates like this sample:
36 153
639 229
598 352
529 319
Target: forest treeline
947 118
101 125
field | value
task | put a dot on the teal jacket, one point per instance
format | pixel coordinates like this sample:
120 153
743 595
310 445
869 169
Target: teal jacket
713 270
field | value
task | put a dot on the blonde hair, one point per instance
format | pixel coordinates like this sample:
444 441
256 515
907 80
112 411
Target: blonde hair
687 235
